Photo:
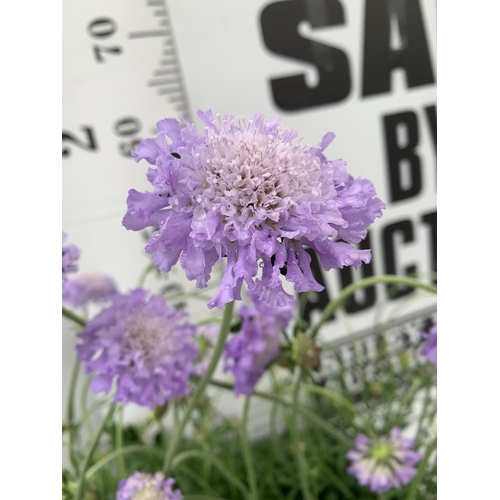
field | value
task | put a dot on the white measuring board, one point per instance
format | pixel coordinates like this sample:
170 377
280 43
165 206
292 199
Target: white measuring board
364 69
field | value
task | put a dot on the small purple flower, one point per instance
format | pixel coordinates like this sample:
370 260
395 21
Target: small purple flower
244 191
142 486
257 344
142 344
429 350
70 256
87 287
384 463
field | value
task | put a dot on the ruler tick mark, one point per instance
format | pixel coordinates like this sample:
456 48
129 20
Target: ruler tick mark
149 33
170 90
164 81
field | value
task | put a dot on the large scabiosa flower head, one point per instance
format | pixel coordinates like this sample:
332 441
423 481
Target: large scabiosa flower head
142 486
70 256
257 344
87 287
429 349
385 463
143 344
244 190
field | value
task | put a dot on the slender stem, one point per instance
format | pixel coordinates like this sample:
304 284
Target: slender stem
133 448
340 400
364 283
310 415
247 455
202 483
119 441
423 414
144 275
90 453
218 464
84 408
219 347
299 453
73 317
70 411
410 393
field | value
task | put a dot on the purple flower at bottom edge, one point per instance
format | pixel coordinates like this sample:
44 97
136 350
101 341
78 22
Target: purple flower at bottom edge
142 344
142 486
70 256
87 287
245 191
385 463
257 344
429 349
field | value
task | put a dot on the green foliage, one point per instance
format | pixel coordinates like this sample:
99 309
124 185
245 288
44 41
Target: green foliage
387 398
318 401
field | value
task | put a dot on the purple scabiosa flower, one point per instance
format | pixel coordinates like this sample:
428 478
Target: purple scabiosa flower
142 486
257 344
244 190
384 463
143 344
429 350
87 287
70 256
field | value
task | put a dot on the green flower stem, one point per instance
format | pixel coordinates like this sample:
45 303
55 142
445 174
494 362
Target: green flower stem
247 456
219 347
126 450
218 464
299 453
119 441
70 411
311 416
407 398
90 454
412 491
364 283
144 275
73 317
84 407
341 401
423 414
201 483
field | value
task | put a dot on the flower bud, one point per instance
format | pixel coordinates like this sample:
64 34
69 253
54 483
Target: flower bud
305 352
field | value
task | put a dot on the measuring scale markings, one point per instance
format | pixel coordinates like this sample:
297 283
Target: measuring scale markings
121 74
166 79
169 66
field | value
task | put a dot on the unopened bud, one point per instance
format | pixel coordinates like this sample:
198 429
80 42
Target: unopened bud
376 390
305 352
404 359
